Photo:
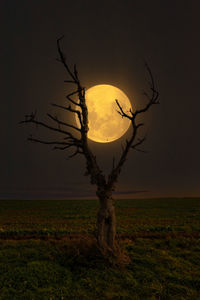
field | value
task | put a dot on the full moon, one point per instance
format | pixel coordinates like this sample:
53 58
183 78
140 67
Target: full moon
105 123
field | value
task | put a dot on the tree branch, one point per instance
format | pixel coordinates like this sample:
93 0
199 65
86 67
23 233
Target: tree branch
62 123
63 61
140 141
45 125
69 134
75 153
66 145
121 111
70 141
30 138
153 99
71 110
48 142
92 167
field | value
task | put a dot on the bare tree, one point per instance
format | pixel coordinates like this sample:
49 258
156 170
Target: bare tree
106 221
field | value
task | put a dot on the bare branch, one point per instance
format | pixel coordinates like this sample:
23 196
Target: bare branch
71 110
69 134
92 166
45 125
75 92
153 99
46 142
75 153
81 144
63 61
70 81
121 111
63 123
140 141
72 101
79 92
31 116
75 72
68 108
66 144
62 148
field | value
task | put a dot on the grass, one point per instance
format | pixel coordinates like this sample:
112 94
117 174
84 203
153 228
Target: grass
47 250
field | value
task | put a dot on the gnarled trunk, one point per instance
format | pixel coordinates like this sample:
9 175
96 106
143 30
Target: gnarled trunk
106 224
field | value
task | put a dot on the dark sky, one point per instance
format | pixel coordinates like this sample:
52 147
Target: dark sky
108 40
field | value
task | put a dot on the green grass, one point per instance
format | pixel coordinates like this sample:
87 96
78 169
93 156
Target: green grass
47 250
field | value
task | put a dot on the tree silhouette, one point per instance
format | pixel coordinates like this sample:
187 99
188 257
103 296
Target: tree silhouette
106 221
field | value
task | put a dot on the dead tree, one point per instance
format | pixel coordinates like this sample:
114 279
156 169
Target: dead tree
106 221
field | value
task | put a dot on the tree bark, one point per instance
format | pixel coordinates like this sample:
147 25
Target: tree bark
106 224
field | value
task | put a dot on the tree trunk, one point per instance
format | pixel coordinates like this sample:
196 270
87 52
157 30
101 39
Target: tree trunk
106 224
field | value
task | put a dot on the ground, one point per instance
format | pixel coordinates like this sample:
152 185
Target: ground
48 250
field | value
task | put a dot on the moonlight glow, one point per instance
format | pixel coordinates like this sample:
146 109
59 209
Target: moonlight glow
105 124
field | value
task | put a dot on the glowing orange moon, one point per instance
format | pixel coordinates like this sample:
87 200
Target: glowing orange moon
105 124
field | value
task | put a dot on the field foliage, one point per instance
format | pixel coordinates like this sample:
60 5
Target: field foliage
48 250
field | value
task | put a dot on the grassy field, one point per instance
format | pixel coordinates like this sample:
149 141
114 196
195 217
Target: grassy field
47 250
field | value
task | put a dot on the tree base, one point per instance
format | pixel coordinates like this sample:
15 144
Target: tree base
115 257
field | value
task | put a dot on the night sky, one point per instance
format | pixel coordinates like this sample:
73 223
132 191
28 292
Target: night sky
109 41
